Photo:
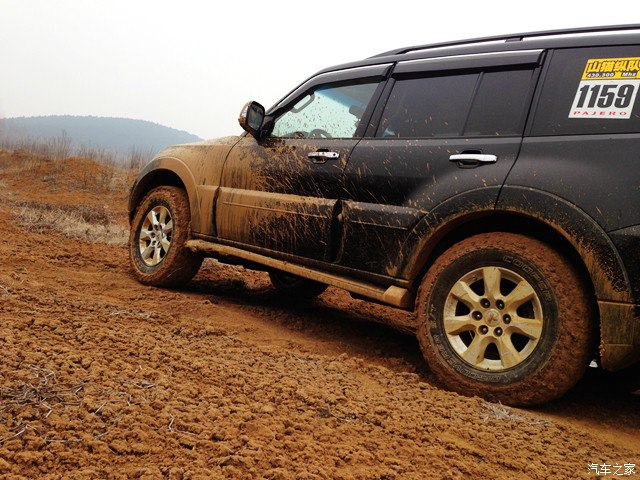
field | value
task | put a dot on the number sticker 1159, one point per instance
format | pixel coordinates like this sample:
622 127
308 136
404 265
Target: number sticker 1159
604 99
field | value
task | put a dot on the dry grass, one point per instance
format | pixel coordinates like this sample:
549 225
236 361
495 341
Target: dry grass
60 148
137 158
76 221
28 160
79 174
26 405
499 412
96 173
40 390
36 398
57 148
115 171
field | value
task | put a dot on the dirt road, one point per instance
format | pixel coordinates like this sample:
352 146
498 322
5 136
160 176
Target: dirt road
102 377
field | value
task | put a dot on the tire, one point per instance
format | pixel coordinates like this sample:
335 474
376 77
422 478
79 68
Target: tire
297 288
524 339
159 230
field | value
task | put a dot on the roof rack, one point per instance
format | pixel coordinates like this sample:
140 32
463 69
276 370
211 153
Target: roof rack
516 37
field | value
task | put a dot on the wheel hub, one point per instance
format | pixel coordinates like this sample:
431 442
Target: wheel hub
155 236
493 318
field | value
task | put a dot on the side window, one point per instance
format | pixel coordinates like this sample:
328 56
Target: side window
481 104
329 111
500 105
427 107
590 91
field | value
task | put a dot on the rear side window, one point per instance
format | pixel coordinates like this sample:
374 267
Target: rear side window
590 91
476 104
500 105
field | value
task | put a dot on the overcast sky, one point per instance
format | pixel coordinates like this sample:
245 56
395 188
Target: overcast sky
192 64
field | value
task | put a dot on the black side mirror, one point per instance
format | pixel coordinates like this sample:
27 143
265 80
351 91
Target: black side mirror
251 118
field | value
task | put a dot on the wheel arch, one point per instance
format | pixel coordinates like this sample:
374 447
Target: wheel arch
164 171
552 220
494 221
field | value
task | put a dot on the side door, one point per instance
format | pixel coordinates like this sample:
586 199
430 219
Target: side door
281 192
446 128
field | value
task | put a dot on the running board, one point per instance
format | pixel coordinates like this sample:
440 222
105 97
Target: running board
396 296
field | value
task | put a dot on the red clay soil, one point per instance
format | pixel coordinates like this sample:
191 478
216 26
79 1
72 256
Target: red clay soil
102 377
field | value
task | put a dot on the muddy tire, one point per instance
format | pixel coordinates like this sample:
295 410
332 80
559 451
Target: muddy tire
159 230
507 318
297 288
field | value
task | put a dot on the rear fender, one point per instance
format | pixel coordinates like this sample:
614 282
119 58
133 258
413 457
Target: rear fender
591 243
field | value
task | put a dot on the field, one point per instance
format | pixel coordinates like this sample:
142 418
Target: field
102 377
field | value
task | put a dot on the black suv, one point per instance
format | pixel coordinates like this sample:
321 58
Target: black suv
491 185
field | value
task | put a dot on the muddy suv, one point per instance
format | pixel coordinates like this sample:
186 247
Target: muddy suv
490 185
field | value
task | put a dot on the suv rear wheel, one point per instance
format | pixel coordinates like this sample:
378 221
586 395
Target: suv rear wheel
505 317
159 231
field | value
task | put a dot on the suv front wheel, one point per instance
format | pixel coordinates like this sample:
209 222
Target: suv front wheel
159 231
505 317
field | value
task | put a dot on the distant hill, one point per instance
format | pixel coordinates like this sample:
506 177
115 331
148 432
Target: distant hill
118 135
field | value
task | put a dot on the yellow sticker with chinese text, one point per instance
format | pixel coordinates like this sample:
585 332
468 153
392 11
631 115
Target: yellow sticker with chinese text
611 68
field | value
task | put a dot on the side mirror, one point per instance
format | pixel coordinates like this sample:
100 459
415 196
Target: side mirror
251 118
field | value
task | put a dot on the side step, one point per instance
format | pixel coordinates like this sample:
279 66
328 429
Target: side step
396 296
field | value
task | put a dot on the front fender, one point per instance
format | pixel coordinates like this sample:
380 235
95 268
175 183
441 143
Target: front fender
164 170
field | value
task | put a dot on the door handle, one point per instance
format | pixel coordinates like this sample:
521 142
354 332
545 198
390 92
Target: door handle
472 160
321 156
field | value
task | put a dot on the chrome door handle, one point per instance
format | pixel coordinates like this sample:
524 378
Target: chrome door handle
322 156
473 157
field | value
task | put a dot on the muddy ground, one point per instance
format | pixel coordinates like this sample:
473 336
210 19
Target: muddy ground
102 377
